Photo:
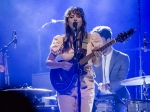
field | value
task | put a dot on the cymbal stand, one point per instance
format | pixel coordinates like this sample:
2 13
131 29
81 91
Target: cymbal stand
53 21
39 44
145 93
140 49
34 99
145 43
140 52
145 89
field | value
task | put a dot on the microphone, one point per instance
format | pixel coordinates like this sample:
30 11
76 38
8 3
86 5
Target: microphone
15 39
144 42
75 26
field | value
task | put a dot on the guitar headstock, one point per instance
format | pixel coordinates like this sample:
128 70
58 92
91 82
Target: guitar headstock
124 35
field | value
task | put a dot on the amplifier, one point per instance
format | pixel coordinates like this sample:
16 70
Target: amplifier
42 80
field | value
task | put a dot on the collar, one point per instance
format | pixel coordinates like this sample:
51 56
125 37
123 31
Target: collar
108 55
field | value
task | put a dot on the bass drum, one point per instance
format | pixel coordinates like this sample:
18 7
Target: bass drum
138 106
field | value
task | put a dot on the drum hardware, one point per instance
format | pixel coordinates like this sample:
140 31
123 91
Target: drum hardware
145 90
28 89
50 100
145 42
31 94
141 80
138 105
50 104
4 58
48 108
104 105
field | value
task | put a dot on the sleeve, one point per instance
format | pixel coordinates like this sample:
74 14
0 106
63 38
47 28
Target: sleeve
122 73
57 45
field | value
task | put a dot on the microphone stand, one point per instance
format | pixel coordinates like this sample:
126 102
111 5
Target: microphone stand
77 65
39 40
4 51
39 49
39 44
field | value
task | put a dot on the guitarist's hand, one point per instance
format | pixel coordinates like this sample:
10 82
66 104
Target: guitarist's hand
103 87
66 65
97 53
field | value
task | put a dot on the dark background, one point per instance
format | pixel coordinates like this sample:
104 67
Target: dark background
28 16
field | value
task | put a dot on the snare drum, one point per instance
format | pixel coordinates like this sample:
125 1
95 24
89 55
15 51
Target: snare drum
138 106
51 100
105 106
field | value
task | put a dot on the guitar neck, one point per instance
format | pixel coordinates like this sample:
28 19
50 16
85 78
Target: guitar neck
89 56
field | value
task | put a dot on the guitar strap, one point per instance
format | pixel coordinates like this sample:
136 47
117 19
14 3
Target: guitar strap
84 44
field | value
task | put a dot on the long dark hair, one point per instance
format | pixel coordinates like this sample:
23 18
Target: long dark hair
68 31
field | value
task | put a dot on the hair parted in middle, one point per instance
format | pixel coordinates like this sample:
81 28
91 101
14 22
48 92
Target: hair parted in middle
68 31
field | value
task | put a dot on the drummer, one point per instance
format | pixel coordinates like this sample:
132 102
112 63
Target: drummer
114 69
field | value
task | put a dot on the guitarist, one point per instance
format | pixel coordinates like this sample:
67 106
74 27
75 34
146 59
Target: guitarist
114 68
62 45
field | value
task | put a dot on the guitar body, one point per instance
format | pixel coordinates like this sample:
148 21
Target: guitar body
63 80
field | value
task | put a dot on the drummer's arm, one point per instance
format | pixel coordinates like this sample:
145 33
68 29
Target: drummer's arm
122 75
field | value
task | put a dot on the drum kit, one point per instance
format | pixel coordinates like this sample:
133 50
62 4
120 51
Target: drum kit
133 105
49 103
41 99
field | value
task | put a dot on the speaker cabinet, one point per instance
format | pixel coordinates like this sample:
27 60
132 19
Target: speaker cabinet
42 80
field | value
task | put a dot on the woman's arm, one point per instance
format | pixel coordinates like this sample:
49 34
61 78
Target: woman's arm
53 64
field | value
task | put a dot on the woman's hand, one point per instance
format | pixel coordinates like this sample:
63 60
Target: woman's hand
66 65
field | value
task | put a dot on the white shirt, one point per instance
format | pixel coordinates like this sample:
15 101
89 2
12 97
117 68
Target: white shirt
105 67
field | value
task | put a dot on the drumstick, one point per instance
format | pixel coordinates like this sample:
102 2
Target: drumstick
96 82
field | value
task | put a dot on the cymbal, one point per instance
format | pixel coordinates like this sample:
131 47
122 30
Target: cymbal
136 81
31 90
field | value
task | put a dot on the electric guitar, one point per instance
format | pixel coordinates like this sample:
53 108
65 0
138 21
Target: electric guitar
63 80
